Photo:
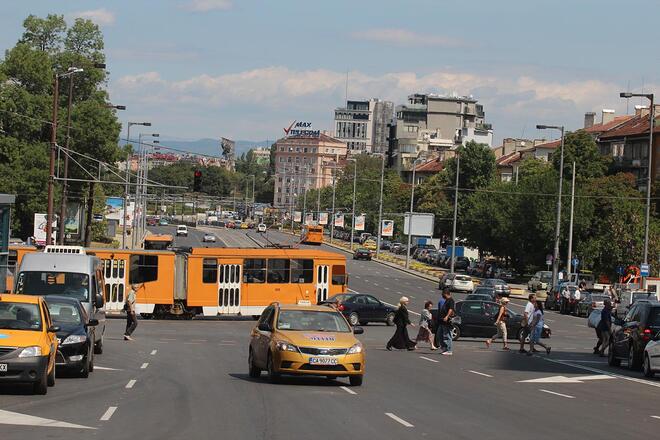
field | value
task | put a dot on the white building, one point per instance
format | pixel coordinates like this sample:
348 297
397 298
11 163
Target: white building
363 125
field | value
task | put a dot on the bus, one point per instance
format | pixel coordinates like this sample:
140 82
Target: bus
158 242
312 234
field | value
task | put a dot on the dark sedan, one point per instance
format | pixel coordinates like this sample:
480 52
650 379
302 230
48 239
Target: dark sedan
476 319
362 309
362 254
76 335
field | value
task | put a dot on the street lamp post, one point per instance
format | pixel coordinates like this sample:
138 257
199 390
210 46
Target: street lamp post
53 153
140 181
332 220
569 256
354 188
126 188
380 205
453 234
410 217
555 260
651 98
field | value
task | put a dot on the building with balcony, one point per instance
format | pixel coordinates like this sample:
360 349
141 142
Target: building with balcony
363 125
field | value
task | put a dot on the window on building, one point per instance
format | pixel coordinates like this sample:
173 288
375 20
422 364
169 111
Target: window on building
305 149
617 149
254 270
209 271
281 159
144 268
281 148
302 271
288 159
506 177
297 149
279 200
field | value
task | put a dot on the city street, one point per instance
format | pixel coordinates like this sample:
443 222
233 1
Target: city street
183 379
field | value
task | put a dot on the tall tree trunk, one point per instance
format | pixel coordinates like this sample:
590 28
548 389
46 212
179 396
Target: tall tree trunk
88 216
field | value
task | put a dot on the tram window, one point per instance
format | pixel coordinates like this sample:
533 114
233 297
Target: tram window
254 270
339 275
209 271
12 259
278 270
302 271
144 268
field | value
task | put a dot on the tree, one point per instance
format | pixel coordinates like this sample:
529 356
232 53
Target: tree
477 167
580 146
44 34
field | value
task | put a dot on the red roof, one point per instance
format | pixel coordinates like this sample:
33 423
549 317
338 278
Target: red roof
508 159
551 144
617 121
432 166
636 125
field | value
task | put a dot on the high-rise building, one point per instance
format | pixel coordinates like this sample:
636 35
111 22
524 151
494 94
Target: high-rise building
363 125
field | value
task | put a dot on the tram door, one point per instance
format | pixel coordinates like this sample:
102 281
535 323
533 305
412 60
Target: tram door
229 287
322 284
114 271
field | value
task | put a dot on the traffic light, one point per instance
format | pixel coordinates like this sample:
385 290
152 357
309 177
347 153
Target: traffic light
197 183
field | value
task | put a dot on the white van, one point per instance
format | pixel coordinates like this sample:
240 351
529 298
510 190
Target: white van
182 230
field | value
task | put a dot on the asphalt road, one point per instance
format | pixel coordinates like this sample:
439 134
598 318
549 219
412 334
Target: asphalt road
188 379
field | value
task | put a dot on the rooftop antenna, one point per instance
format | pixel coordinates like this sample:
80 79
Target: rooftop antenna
346 90
628 99
522 135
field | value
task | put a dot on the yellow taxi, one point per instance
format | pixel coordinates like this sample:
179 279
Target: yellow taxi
370 244
28 342
244 225
305 340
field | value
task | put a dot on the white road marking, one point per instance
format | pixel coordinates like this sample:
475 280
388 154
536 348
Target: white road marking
145 365
399 419
412 297
582 362
386 288
564 379
548 320
168 339
655 417
557 394
199 340
429 359
12 418
130 383
480 374
98 367
153 352
348 390
108 413
607 373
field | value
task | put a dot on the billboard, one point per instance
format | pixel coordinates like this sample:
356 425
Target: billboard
323 218
339 220
309 219
114 210
72 219
387 228
39 232
359 222
422 224
297 216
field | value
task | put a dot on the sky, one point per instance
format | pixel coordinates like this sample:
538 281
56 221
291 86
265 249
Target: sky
244 69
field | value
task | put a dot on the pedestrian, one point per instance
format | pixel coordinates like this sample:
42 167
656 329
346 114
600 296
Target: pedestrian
537 329
444 324
425 325
129 308
526 324
400 339
605 326
500 324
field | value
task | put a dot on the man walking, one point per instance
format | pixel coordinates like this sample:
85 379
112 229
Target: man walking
444 323
129 307
527 321
605 326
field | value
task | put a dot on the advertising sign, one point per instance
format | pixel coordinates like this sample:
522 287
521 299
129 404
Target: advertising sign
323 218
297 216
72 219
339 220
309 219
39 231
114 210
644 269
359 222
422 224
301 129
387 228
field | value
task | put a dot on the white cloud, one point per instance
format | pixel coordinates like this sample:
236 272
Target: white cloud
208 5
403 37
270 96
101 16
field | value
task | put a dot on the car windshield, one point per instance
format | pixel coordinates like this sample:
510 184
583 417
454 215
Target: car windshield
74 285
643 295
463 278
654 317
311 320
64 313
19 316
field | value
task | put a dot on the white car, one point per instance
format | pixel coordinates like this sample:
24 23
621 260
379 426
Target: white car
182 230
652 356
261 227
461 283
208 238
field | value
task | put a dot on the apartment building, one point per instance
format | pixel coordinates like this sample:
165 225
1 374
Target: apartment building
363 125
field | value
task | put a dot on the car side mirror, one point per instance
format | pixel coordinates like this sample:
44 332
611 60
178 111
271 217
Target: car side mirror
93 322
264 327
98 301
358 330
53 329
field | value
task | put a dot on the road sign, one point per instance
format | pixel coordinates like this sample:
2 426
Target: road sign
575 262
644 269
548 259
620 269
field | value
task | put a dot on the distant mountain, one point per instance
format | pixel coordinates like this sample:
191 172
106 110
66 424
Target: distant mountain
212 146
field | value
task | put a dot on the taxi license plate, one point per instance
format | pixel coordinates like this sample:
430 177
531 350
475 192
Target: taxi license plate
323 361
3 368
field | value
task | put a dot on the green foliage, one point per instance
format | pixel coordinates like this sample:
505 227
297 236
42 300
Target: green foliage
44 34
580 146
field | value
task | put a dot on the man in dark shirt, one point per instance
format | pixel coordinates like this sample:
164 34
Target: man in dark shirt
605 326
444 323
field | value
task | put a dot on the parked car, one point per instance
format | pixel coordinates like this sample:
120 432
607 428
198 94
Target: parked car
477 319
430 256
628 298
385 245
456 282
362 309
589 303
163 222
370 244
631 334
362 254
394 246
472 268
540 281
506 274
500 286
461 263
652 356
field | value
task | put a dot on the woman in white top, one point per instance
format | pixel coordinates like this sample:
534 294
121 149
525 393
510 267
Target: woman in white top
537 329
425 325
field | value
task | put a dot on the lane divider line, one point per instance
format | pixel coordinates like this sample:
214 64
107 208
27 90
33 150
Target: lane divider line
145 365
655 417
399 420
130 384
108 413
480 374
153 352
348 390
557 394
428 359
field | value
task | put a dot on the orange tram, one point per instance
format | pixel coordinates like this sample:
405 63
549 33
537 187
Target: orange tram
216 281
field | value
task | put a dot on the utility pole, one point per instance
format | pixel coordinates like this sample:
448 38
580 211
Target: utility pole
66 162
453 235
380 206
126 179
354 188
410 218
53 151
332 224
569 263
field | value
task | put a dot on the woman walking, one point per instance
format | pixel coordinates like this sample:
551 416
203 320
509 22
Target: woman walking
500 323
401 340
537 329
425 323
